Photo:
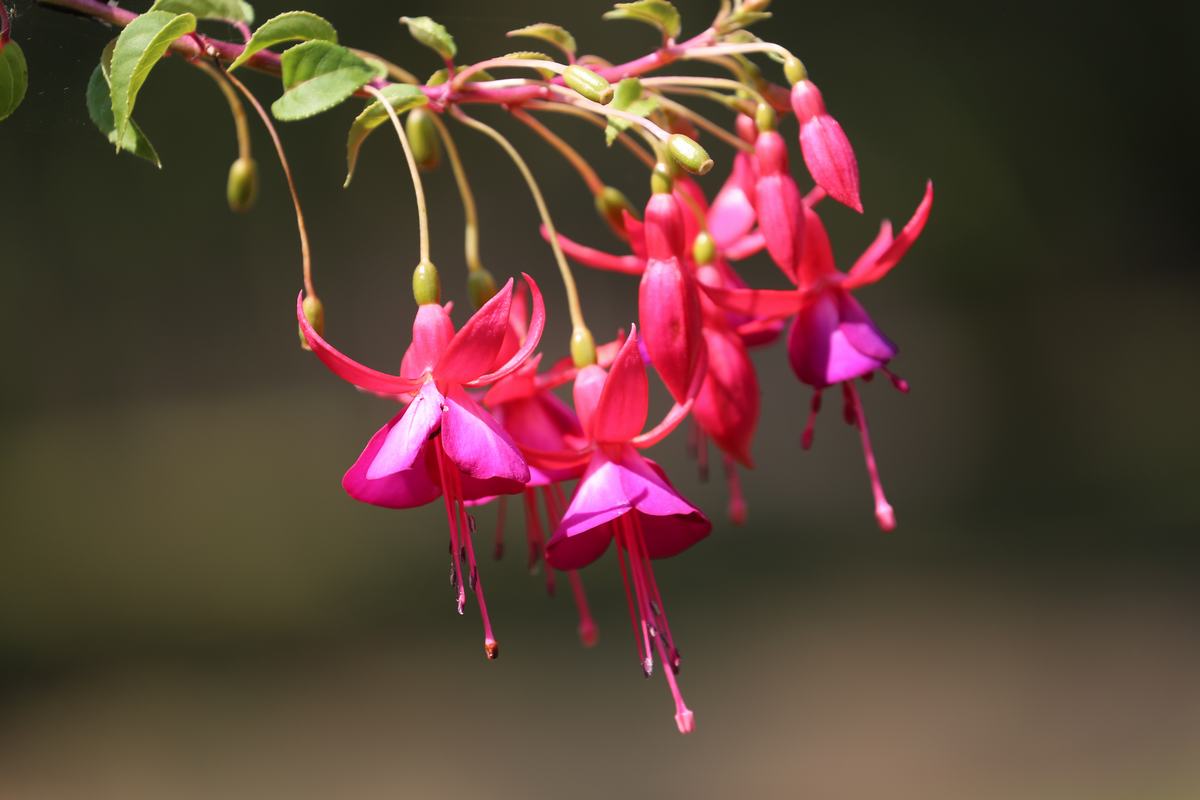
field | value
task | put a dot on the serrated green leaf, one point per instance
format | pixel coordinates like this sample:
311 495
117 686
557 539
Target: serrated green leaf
99 106
139 47
230 10
658 13
14 78
554 34
317 76
432 34
401 96
290 27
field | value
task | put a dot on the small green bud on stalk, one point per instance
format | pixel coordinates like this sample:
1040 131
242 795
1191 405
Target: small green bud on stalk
704 249
583 348
427 286
423 137
242 188
609 205
686 152
481 287
795 71
589 84
314 312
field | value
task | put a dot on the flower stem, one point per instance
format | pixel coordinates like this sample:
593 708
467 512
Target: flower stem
704 82
504 61
305 251
236 109
470 212
707 124
418 186
624 139
594 184
564 268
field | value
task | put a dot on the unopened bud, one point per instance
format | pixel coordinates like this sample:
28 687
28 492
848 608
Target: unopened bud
704 249
610 204
481 287
314 312
591 85
583 348
242 188
794 69
427 287
662 180
765 118
689 154
423 137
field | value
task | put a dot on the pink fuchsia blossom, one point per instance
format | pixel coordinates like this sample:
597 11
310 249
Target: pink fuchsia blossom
779 203
732 215
443 443
624 496
827 152
833 340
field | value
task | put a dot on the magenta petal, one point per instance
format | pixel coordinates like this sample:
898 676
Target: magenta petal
582 535
727 406
670 524
407 489
432 332
476 443
861 331
402 446
624 403
537 324
820 348
598 259
757 303
781 220
473 349
865 272
347 368
669 312
830 159
732 214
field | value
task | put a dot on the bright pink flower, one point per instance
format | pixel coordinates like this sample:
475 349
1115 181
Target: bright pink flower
832 339
626 497
779 203
827 151
732 214
443 443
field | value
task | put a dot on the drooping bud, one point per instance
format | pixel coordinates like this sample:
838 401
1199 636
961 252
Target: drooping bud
704 249
590 84
611 205
481 287
583 348
688 153
314 312
778 204
427 286
827 151
423 137
242 188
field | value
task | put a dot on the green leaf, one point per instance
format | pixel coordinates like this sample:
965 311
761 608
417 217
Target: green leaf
555 35
99 105
529 55
14 78
401 96
658 13
642 108
317 76
290 27
230 10
139 47
432 35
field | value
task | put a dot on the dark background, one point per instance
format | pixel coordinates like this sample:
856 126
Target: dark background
190 607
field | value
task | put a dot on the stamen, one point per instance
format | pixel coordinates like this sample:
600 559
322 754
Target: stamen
737 500
899 383
533 529
501 511
702 454
633 615
848 413
490 645
883 509
451 518
806 439
655 601
589 634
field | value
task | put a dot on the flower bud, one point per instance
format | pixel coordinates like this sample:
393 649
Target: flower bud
481 287
611 205
427 287
590 84
827 151
662 180
704 249
689 154
242 187
314 312
583 348
423 137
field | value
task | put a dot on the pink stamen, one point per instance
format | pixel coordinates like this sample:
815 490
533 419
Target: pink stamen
448 494
655 604
490 645
633 615
589 634
737 500
806 439
848 412
883 509
501 513
537 539
899 383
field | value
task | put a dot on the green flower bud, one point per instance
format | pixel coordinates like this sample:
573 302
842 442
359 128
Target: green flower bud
704 249
689 154
662 180
765 118
589 84
242 188
583 348
609 205
427 287
423 137
481 287
795 71
314 312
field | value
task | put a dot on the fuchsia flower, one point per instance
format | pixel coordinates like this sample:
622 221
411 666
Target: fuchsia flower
443 443
827 151
778 202
832 339
626 497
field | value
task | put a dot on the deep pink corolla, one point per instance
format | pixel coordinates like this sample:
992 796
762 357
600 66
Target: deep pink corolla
827 152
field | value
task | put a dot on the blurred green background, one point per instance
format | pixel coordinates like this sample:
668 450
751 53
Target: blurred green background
190 607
